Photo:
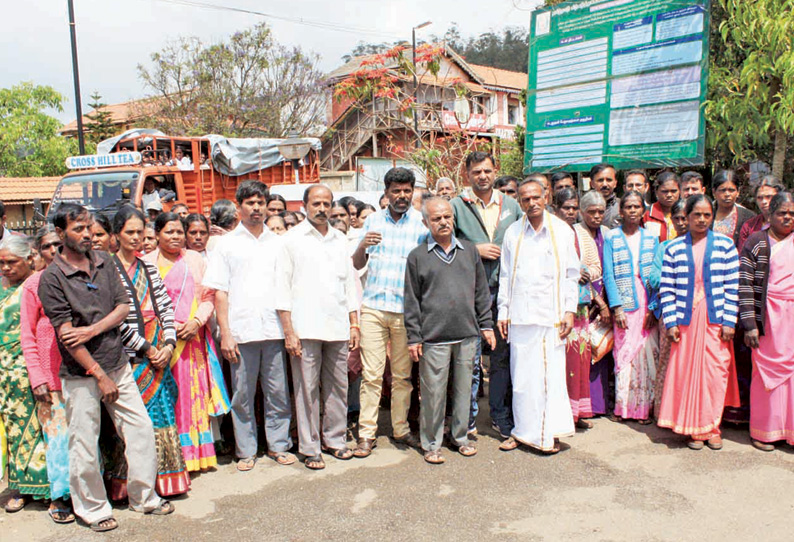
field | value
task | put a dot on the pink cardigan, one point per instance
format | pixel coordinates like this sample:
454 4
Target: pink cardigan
205 297
39 346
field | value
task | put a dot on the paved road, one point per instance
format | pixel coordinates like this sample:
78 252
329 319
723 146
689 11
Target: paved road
616 482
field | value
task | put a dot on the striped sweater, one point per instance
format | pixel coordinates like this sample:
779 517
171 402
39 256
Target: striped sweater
720 281
133 335
753 281
619 267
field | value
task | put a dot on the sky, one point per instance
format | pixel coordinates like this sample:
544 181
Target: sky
113 37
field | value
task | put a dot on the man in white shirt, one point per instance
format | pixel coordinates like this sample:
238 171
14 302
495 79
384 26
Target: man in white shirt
242 270
538 295
316 301
150 194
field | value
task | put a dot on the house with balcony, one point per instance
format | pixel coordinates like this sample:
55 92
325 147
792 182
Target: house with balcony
480 101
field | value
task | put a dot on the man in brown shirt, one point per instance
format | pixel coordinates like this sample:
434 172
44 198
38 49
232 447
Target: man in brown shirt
85 301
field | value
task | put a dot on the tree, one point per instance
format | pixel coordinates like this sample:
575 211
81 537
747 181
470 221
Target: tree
750 110
29 142
246 86
101 126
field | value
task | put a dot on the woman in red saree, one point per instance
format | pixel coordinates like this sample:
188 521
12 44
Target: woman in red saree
202 393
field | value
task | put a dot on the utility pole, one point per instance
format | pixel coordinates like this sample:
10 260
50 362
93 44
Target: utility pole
416 83
76 74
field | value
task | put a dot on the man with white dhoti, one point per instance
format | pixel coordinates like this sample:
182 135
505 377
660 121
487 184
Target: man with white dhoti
538 294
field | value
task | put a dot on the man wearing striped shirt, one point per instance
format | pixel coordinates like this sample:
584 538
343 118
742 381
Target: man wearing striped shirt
388 237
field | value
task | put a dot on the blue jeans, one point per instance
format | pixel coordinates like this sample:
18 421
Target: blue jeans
500 389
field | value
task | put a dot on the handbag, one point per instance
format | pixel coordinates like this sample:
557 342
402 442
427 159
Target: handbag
602 339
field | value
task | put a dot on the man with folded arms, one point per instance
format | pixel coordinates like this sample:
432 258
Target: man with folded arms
85 301
447 305
316 301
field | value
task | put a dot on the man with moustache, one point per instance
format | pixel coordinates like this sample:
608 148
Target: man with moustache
482 215
388 237
83 297
242 270
317 303
603 177
447 306
538 297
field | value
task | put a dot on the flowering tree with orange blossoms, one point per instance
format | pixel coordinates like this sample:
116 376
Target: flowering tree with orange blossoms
386 79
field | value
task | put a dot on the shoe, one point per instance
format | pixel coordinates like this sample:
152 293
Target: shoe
499 431
715 443
763 446
409 439
695 444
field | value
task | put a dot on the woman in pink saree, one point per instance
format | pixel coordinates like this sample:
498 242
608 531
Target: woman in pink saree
195 366
766 296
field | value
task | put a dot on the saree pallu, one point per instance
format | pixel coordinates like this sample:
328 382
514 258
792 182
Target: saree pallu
772 388
159 392
636 350
55 427
578 358
196 368
26 450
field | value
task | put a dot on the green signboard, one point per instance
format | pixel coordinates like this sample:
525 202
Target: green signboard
618 81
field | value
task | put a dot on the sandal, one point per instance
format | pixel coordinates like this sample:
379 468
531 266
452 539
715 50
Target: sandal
434 457
364 447
763 446
408 440
59 513
282 458
103 525
15 503
695 444
314 462
164 509
582 423
554 450
646 421
715 443
509 445
246 464
342 454
467 450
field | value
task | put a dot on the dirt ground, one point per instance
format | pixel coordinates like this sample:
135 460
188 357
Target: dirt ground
615 482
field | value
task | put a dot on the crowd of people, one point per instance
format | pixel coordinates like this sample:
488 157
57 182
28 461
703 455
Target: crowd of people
137 348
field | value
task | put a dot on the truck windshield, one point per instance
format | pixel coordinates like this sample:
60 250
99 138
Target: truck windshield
97 191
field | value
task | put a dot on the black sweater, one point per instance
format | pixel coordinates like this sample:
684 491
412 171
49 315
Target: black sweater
446 302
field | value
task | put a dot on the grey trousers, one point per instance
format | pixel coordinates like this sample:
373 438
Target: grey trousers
262 361
433 379
132 422
320 372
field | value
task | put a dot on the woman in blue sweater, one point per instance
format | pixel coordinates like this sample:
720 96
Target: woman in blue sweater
628 260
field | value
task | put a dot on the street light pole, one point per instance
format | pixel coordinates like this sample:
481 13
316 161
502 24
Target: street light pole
76 74
418 142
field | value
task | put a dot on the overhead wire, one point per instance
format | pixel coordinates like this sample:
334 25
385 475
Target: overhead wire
296 20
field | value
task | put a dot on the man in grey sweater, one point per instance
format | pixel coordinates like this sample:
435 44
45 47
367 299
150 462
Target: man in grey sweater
447 305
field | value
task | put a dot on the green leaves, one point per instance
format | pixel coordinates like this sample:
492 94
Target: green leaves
29 143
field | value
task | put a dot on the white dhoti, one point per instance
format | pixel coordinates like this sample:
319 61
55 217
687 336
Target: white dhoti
541 408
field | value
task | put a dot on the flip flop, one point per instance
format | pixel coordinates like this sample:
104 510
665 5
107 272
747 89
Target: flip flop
54 512
467 450
110 524
342 454
20 501
314 462
282 458
434 457
509 445
246 464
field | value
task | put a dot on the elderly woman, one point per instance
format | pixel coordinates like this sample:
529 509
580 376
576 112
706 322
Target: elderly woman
150 341
766 301
628 259
195 365
223 219
592 208
578 355
678 215
27 465
43 361
699 296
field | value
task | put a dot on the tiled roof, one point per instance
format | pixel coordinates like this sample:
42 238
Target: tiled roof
494 77
22 190
121 114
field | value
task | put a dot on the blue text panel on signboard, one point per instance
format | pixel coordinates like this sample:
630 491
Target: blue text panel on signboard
618 81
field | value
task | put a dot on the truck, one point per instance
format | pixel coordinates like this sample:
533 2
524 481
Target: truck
196 171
